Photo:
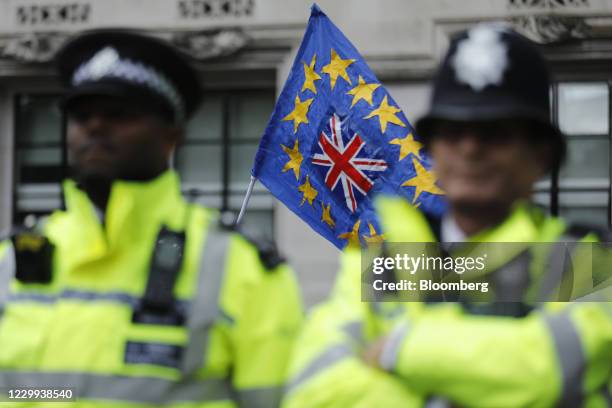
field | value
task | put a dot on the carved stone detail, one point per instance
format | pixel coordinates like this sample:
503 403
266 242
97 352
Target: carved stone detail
196 9
547 4
210 44
46 14
31 47
546 29
39 47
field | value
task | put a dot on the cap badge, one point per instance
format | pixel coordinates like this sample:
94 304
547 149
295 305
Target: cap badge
103 62
481 58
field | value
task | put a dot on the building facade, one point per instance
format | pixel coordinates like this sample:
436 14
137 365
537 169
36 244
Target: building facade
244 50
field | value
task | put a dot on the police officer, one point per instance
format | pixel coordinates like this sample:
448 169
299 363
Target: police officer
490 137
132 296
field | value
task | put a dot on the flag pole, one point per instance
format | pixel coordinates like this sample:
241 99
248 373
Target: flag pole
245 202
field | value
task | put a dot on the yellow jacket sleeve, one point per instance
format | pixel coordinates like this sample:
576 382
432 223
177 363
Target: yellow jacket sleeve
267 311
538 361
327 370
559 354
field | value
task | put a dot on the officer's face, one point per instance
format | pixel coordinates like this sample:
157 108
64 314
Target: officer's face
486 164
111 138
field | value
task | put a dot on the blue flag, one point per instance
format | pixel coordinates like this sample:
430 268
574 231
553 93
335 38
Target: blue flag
336 138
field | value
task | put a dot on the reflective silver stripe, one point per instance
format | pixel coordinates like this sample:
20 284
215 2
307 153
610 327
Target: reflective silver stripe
511 280
557 268
376 307
437 402
390 352
28 297
205 306
122 388
354 330
326 359
87 296
119 297
7 271
383 309
571 358
607 396
260 397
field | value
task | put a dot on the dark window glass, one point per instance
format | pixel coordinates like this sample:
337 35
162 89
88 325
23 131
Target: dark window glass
580 191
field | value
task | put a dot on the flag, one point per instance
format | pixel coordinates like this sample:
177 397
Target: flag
337 138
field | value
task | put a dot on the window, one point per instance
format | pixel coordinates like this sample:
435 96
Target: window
40 156
214 161
216 158
580 191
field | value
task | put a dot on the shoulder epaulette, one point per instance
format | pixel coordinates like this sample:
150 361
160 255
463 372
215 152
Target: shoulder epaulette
266 248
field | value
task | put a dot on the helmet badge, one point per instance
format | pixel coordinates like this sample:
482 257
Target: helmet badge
481 58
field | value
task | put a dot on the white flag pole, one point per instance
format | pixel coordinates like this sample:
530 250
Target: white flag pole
245 202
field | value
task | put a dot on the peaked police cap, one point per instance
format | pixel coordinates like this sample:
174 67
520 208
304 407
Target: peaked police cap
128 64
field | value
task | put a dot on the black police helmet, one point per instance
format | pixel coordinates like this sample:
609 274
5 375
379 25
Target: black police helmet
490 72
127 64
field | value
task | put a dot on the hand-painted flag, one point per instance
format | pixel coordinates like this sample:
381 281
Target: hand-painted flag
336 138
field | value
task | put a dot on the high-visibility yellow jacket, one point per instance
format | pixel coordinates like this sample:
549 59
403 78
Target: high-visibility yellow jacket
240 318
560 355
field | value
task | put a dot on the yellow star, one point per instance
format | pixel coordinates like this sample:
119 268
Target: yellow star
337 67
423 181
352 236
299 112
326 217
386 113
374 237
310 76
295 159
407 145
363 91
309 192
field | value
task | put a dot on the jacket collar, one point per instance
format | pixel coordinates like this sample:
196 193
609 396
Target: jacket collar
524 225
402 222
134 210
518 226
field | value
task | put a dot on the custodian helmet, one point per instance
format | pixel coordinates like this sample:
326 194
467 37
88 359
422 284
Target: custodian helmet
490 72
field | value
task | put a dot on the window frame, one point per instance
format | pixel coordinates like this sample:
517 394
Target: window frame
554 188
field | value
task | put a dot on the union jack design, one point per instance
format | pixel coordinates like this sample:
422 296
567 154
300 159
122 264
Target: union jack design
343 162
